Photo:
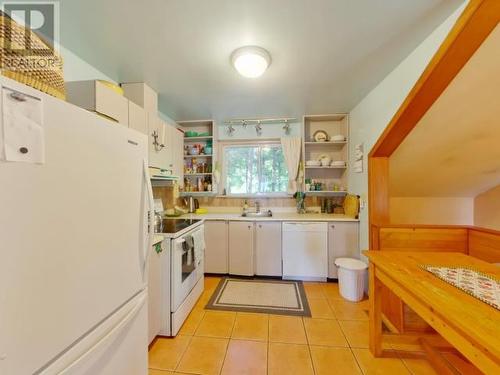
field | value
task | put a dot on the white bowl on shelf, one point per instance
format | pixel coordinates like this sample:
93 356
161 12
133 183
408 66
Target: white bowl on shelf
337 138
313 163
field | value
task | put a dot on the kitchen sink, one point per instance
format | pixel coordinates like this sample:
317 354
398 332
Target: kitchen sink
267 213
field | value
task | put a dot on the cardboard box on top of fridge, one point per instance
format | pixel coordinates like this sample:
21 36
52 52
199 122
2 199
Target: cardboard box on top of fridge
142 95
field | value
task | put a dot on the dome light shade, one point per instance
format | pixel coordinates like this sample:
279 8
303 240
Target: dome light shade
251 61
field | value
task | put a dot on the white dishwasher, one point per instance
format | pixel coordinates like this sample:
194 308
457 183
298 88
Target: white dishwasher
305 251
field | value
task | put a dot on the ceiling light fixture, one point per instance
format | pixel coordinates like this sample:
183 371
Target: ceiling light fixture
251 61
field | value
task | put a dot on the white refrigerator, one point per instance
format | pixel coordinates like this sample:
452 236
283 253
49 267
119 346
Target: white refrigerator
74 239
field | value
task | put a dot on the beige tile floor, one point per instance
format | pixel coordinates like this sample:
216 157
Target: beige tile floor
333 341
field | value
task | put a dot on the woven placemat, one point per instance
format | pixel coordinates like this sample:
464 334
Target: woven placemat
479 285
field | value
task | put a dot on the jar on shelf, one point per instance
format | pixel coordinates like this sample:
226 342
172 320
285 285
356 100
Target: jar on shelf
329 206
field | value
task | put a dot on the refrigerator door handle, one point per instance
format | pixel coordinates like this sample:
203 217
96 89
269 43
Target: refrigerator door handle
150 217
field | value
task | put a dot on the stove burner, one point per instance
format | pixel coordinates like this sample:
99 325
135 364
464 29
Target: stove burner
176 225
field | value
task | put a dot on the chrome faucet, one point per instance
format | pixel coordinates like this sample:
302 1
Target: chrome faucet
257 206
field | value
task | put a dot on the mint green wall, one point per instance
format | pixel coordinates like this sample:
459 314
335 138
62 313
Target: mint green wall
370 116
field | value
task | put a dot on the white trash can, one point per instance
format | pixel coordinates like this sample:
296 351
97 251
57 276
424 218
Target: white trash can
352 277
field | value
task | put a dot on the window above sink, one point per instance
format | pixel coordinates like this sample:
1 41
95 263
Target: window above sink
254 169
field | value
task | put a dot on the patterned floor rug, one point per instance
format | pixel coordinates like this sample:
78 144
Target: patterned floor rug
260 295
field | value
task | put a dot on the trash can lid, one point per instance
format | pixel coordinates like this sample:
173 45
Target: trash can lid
350 263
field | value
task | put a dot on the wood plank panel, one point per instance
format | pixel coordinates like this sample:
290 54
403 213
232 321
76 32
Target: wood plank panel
424 239
414 323
478 19
473 331
484 245
378 196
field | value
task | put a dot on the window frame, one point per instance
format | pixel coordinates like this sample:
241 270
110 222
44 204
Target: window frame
223 163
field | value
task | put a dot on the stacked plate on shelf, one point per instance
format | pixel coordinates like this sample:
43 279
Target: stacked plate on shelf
338 163
313 163
337 138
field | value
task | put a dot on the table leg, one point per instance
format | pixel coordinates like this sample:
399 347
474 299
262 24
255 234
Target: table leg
375 326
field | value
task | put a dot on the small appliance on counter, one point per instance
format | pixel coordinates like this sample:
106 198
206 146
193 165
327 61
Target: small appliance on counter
192 204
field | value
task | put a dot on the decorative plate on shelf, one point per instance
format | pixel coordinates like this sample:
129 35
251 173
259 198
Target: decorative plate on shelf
320 136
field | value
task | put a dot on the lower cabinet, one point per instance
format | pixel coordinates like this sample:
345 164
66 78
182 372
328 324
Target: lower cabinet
216 246
246 248
241 248
268 248
157 258
343 241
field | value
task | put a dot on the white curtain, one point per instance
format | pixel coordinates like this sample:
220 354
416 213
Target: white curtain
291 151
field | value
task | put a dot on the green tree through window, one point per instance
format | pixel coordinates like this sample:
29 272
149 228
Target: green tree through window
255 169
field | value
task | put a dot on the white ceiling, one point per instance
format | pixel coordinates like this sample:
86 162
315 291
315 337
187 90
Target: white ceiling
454 151
327 54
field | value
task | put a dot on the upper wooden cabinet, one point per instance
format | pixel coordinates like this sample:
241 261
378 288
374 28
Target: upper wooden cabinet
178 155
96 96
170 156
157 154
142 95
137 118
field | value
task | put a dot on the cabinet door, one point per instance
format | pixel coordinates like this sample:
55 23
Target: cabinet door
343 241
156 156
155 291
137 118
169 144
178 155
241 234
268 249
111 104
216 246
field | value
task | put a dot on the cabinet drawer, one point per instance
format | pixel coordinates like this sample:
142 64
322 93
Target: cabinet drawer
304 226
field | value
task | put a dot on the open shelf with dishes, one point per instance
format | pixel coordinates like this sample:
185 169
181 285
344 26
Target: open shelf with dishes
326 143
199 156
325 153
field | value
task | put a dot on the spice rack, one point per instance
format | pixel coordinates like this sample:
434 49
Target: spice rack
198 157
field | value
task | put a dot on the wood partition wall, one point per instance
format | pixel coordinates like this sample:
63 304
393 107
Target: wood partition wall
477 21
477 242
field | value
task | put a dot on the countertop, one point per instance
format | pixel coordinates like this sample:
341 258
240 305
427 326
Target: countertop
277 216
157 238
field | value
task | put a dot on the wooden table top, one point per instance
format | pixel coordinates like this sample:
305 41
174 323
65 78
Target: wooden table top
476 320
